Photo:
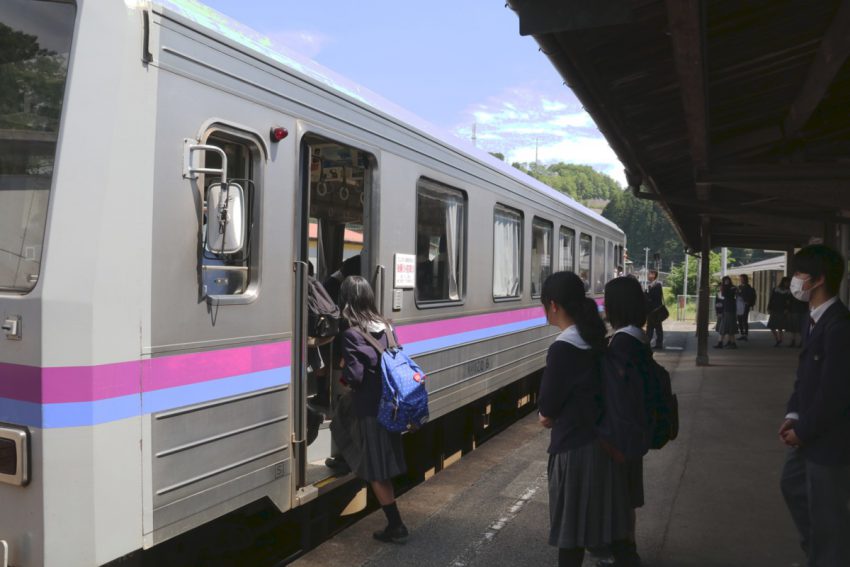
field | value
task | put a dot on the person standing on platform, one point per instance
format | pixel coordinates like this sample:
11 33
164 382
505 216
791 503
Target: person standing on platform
728 323
629 356
654 303
777 309
747 299
797 319
816 477
570 405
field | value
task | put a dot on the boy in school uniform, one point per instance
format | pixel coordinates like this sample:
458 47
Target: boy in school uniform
816 477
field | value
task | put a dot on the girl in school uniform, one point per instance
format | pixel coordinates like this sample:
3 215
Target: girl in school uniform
570 405
629 354
374 454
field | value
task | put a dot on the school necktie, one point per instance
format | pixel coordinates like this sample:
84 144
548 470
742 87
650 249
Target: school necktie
811 324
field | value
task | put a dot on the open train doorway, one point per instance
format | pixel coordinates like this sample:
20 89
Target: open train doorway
335 244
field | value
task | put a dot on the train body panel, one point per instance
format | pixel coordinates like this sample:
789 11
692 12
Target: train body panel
162 384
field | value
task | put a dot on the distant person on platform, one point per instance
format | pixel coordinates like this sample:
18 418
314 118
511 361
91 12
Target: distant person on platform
654 301
816 477
746 301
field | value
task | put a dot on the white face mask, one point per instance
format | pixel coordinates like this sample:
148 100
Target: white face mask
797 290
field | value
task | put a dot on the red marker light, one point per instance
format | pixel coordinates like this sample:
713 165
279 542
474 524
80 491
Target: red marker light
278 133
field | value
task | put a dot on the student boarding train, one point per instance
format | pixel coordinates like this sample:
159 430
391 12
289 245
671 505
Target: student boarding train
167 181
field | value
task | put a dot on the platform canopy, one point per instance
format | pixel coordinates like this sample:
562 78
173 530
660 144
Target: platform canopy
733 114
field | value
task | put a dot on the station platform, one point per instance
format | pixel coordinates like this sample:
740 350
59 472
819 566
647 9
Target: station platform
712 495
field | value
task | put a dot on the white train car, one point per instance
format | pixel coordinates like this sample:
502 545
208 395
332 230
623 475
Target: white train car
166 178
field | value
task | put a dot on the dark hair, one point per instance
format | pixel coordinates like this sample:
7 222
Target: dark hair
745 278
567 290
654 272
818 260
358 302
785 282
723 281
625 303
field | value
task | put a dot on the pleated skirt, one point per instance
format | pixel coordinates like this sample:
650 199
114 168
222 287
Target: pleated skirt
372 452
728 324
592 499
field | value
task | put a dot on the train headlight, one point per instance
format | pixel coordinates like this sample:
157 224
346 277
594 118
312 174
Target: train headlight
14 455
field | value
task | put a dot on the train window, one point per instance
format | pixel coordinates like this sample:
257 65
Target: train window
568 248
600 274
225 272
440 231
507 253
584 255
34 57
541 254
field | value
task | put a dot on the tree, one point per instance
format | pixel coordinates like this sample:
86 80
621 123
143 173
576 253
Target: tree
498 155
646 226
677 275
581 182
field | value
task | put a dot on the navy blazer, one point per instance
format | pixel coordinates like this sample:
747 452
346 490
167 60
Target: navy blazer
571 395
362 370
821 394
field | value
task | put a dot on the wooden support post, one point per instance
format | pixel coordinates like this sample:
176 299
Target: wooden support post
702 306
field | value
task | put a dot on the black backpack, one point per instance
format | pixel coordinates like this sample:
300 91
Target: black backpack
663 406
640 410
322 312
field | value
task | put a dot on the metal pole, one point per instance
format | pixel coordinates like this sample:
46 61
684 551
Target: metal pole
723 255
646 267
702 310
685 284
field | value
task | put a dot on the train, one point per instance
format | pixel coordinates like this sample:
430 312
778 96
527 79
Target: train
168 179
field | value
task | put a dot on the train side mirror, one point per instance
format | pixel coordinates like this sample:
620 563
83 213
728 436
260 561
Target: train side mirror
225 227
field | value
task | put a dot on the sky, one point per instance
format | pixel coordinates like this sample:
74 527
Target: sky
453 63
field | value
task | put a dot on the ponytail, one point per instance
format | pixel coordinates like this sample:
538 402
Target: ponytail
590 325
567 290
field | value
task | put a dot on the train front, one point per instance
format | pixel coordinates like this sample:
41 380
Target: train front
50 459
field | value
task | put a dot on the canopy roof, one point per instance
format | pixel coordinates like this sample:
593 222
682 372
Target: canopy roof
735 111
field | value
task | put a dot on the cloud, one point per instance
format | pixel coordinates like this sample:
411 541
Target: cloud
524 122
306 42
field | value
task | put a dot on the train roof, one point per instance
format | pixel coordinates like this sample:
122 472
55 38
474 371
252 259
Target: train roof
215 21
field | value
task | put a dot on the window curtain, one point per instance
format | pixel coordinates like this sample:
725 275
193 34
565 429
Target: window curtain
454 245
506 240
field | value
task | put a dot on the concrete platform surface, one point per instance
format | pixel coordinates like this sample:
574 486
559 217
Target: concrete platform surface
712 496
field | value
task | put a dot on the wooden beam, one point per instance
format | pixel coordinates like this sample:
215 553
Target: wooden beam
778 225
828 194
686 30
747 141
833 52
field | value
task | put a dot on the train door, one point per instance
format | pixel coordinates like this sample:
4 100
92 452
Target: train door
335 235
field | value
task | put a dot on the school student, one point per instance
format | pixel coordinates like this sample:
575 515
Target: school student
628 352
816 478
728 324
375 455
570 405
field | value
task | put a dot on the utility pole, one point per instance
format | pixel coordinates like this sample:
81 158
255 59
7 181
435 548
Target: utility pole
536 161
474 137
723 255
645 266
685 288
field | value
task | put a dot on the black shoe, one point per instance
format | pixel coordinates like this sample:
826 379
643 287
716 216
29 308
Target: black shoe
658 347
718 345
743 338
792 345
390 535
338 465
731 345
778 344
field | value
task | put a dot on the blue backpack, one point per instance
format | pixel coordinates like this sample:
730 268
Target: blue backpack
404 399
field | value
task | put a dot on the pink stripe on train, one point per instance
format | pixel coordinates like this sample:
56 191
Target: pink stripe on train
424 331
91 383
